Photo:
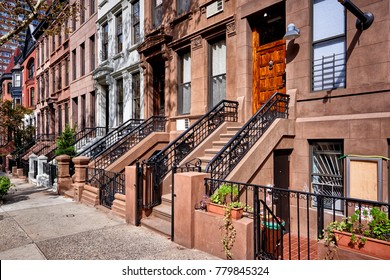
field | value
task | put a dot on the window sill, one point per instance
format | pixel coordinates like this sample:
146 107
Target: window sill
118 55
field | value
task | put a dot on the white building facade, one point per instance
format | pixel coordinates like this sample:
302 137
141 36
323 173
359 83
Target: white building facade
118 76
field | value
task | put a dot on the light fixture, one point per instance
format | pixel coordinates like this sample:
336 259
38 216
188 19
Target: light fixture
364 20
292 32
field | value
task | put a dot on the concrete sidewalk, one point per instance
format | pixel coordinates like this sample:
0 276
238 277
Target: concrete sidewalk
37 224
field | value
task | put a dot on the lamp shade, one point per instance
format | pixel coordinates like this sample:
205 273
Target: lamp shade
292 32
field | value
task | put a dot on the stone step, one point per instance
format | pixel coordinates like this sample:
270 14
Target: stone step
159 225
212 152
219 144
166 199
163 211
118 210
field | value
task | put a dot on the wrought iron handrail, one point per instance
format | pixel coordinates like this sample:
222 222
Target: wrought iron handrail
186 142
80 140
109 183
22 150
129 140
88 132
237 147
303 214
110 138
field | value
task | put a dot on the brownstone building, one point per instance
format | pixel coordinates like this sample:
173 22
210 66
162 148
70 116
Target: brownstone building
197 53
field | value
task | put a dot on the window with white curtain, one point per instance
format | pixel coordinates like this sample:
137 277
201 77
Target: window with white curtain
184 96
328 45
218 72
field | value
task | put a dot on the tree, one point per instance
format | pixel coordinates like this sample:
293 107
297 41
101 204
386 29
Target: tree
65 143
12 125
54 13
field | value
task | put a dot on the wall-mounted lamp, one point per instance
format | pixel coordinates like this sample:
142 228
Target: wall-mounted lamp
364 20
292 32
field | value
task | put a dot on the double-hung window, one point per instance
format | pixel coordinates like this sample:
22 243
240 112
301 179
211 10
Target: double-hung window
105 41
157 13
136 22
328 45
119 90
184 93
182 6
217 72
119 33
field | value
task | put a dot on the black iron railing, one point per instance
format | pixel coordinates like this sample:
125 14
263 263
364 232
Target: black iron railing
159 165
22 150
81 138
109 183
110 138
231 154
129 140
51 171
24 164
84 136
11 163
297 217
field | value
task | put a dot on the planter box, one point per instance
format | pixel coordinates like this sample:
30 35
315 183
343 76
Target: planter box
373 247
236 213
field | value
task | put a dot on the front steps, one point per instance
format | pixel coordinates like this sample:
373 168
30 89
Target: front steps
218 144
160 219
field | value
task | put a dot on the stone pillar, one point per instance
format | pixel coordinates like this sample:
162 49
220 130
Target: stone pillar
40 176
64 181
80 166
131 199
7 158
189 191
31 159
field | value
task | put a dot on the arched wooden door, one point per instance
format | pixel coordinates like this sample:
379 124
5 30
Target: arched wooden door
268 71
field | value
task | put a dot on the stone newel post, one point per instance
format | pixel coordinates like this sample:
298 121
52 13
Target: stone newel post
64 180
41 159
80 166
31 159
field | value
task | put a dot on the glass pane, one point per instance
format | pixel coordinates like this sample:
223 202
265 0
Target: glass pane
186 68
329 64
218 51
328 19
219 86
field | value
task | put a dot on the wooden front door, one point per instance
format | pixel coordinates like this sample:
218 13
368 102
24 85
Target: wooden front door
268 72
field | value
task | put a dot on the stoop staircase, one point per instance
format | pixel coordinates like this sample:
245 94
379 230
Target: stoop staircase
160 220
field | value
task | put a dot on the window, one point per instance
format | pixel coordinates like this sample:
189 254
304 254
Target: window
30 70
66 29
47 84
59 39
74 65
182 6
17 82
136 23
105 41
82 11
59 119
157 13
92 107
53 79
328 45
327 170
43 88
119 35
82 57
184 92
74 17
92 52
31 97
83 110
53 45
66 72
59 82
136 95
119 92
66 112
9 88
92 4
218 73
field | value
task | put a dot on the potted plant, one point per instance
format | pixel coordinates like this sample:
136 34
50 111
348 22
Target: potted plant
219 201
366 232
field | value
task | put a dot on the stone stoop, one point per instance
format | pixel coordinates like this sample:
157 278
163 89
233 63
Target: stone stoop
224 138
160 219
119 205
90 195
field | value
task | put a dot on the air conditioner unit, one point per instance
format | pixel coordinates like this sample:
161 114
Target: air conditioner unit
182 124
214 8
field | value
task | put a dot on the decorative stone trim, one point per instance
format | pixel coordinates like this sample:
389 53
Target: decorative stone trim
231 28
196 43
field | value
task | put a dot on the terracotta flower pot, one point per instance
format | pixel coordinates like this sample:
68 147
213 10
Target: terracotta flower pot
236 213
373 247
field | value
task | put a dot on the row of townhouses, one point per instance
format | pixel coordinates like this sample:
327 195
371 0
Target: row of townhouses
286 94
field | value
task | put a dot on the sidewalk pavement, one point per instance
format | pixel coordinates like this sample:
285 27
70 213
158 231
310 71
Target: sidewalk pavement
37 224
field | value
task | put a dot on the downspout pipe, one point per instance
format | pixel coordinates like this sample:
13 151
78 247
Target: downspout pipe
364 20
